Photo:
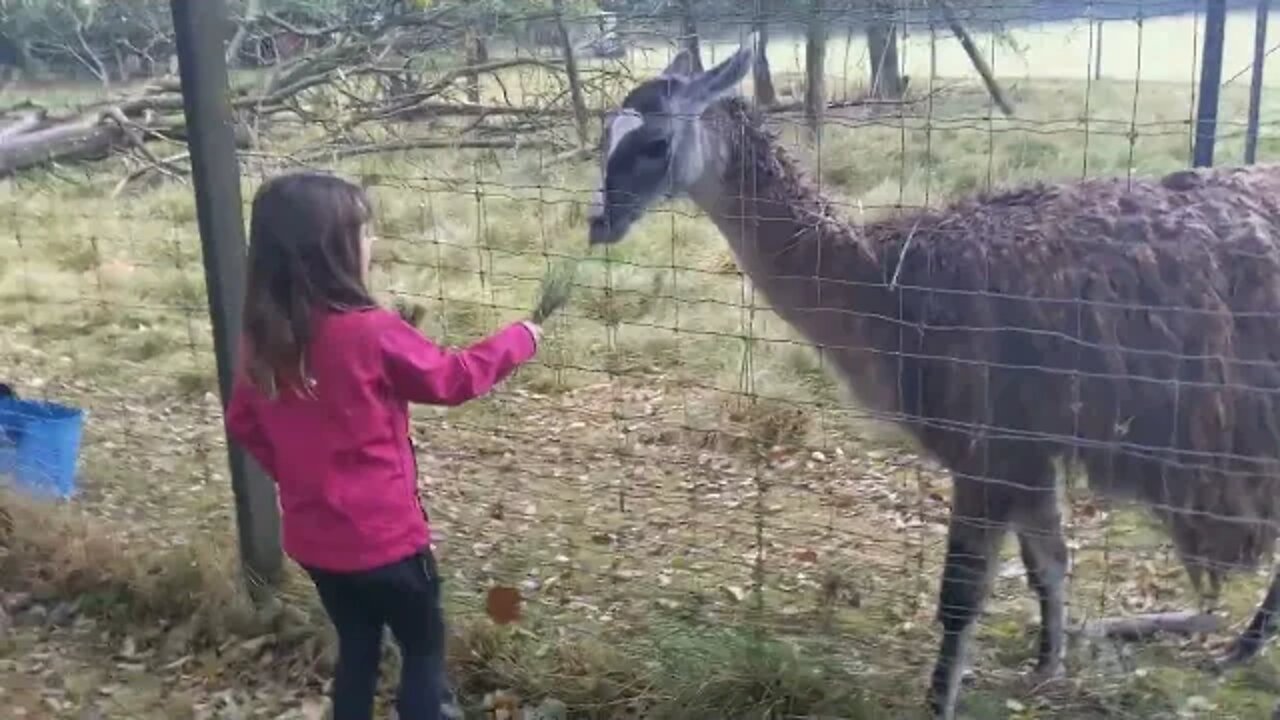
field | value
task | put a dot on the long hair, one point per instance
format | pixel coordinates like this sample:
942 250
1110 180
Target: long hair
304 257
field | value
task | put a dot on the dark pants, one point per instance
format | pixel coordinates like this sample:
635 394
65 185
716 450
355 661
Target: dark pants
405 596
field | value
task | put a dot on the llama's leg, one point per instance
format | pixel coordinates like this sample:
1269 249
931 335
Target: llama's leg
1044 553
973 542
1213 596
1261 628
1208 598
1195 574
1199 568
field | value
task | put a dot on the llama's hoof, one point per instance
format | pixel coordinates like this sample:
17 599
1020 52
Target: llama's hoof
938 712
941 707
1240 652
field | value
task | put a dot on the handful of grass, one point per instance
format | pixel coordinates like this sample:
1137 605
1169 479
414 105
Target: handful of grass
412 313
557 286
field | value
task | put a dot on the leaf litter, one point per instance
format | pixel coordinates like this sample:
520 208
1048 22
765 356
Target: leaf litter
606 507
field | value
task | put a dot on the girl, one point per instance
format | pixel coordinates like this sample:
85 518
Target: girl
320 400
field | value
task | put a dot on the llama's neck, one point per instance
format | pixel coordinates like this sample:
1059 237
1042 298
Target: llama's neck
816 269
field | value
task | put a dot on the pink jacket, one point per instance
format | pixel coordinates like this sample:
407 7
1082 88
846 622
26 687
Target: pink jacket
342 461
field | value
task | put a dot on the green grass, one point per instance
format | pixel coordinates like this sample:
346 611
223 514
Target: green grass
616 479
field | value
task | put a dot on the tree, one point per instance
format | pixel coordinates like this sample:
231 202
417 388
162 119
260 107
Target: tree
815 54
252 14
106 38
364 71
689 33
882 46
761 76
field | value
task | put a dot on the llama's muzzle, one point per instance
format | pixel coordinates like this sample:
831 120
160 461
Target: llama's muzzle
603 230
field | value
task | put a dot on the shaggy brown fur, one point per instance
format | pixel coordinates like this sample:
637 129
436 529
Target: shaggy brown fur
1132 324
1131 327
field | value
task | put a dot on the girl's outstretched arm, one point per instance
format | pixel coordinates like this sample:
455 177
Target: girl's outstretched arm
422 372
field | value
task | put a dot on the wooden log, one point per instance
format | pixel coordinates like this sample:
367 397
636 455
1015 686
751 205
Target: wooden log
20 124
1141 627
84 139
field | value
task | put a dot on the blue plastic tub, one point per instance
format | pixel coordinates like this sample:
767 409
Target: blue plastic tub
40 445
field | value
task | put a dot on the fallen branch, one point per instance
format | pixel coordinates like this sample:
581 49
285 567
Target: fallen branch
975 57
164 166
347 151
408 104
439 108
577 154
30 138
25 123
86 138
866 101
1141 627
35 139
335 90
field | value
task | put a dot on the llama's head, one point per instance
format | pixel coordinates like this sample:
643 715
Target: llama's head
657 145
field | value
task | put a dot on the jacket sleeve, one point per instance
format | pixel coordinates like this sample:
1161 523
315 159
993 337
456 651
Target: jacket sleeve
422 372
243 426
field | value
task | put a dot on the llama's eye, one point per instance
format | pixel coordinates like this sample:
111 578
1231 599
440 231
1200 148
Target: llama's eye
655 149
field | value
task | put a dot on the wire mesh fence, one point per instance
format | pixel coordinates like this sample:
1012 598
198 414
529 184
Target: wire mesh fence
680 479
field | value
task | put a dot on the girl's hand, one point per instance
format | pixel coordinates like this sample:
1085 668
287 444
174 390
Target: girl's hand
535 330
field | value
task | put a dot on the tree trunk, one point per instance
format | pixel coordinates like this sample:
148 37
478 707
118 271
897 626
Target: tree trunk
477 53
761 76
122 70
22 123
1097 55
815 55
882 45
689 33
85 139
251 13
580 115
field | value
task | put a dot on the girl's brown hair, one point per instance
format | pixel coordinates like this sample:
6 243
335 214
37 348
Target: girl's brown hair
304 256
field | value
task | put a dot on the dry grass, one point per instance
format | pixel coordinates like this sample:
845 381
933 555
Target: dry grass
699 523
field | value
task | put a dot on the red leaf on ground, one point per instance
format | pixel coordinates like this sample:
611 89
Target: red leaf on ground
503 605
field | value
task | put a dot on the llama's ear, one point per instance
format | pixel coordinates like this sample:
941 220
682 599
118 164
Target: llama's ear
682 65
723 78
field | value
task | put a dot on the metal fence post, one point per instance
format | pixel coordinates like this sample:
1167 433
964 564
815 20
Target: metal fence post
215 173
1210 79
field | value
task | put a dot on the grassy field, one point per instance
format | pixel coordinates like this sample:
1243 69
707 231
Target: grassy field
701 526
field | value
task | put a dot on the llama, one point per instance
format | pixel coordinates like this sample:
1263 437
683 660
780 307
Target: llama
1130 327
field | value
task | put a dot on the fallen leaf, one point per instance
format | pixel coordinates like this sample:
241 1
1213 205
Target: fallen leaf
502 705
550 709
503 605
129 648
314 709
734 593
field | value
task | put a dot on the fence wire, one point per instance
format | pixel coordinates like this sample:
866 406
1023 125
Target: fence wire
678 462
